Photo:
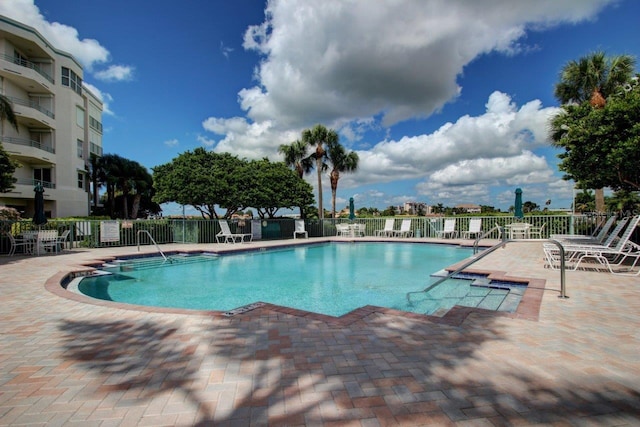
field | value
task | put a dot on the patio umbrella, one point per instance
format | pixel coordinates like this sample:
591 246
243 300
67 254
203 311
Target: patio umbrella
38 216
518 205
352 214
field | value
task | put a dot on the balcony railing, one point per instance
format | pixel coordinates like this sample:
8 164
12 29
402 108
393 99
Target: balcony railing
33 182
27 64
31 104
28 143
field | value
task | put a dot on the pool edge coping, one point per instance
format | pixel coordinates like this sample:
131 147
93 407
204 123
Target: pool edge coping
528 308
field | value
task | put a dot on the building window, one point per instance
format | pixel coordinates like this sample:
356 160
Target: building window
95 124
72 80
81 180
80 117
19 59
42 175
80 150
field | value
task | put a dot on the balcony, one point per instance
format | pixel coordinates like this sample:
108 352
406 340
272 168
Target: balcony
23 189
25 74
28 151
33 182
31 114
31 104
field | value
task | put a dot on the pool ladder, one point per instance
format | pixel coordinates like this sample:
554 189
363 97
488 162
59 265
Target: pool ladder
154 242
563 292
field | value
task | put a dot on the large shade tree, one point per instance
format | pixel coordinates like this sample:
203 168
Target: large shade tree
319 136
592 80
341 161
202 179
272 186
601 146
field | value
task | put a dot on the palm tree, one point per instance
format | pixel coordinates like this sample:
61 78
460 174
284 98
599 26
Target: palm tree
593 78
341 161
141 182
318 136
295 156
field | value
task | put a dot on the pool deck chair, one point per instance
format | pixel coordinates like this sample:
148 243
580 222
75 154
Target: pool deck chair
598 237
405 229
475 228
300 229
388 228
229 237
606 255
449 229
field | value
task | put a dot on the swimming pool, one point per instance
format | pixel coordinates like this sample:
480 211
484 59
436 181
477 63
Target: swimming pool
331 278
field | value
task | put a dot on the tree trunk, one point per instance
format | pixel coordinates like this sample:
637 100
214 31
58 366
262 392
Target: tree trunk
125 204
319 155
335 176
600 208
597 100
135 206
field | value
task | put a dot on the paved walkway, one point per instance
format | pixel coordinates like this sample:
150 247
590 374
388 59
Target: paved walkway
558 362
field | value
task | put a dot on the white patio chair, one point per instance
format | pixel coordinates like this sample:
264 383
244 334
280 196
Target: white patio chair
61 241
343 230
300 229
536 232
449 229
19 242
475 228
388 228
47 240
405 229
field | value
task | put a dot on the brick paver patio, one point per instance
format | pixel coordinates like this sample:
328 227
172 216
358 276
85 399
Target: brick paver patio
558 362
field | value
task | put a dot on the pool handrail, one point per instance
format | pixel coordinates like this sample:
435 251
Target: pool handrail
154 242
474 259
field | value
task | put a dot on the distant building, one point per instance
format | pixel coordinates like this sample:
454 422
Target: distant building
59 123
469 208
414 208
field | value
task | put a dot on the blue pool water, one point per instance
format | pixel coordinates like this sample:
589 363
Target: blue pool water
332 279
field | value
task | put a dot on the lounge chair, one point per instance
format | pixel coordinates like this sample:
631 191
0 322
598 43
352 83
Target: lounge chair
405 229
300 229
449 229
606 255
475 228
388 228
599 237
608 241
229 237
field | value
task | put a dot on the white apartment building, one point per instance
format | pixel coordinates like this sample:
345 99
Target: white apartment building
59 123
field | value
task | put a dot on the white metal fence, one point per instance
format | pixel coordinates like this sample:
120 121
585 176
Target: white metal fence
95 233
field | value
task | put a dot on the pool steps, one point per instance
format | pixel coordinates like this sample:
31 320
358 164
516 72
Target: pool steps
495 301
149 263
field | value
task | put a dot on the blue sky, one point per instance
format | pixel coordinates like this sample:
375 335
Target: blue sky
444 101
